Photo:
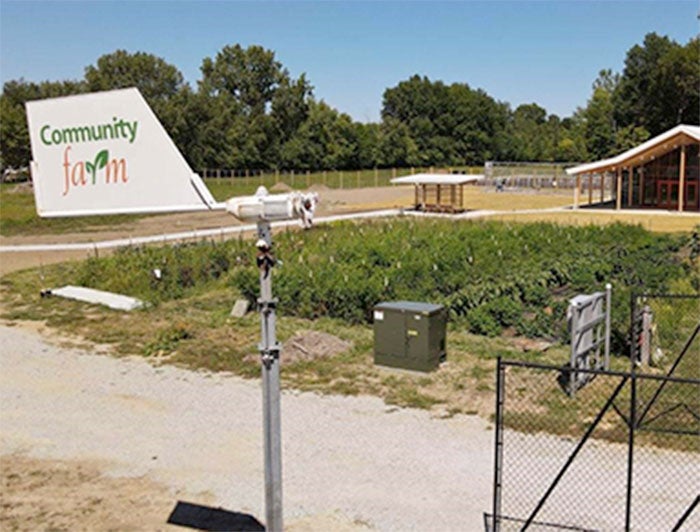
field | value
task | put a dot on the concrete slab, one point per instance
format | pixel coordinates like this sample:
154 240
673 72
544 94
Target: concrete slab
98 297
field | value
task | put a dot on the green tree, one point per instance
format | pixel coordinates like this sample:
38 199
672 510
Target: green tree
599 124
250 75
396 146
14 136
157 80
658 88
326 140
678 83
448 125
264 107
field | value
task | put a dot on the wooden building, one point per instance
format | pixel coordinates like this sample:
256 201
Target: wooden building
438 192
661 173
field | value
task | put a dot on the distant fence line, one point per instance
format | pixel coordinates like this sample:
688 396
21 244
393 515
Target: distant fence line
506 175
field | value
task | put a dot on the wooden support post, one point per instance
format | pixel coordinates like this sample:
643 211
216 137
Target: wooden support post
618 189
590 189
640 187
415 201
630 185
681 180
602 187
577 190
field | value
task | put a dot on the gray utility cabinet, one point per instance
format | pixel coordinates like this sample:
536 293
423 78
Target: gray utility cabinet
409 335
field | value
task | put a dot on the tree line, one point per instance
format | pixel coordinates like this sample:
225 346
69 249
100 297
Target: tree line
247 111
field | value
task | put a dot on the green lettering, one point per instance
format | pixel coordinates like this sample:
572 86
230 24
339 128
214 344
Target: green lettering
41 134
119 129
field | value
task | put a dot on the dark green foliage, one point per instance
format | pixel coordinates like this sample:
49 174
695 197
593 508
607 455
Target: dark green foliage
182 268
492 275
481 321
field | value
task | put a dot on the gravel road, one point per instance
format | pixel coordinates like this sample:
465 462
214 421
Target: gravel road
366 464
88 440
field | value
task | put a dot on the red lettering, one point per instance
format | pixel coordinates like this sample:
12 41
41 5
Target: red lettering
77 176
66 166
114 168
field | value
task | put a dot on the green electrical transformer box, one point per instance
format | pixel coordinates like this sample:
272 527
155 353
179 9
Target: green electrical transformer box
409 335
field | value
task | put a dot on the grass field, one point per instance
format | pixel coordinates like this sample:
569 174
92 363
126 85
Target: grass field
18 216
18 213
662 222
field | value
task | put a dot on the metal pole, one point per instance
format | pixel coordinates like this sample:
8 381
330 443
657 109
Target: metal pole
630 450
633 335
498 458
269 354
608 302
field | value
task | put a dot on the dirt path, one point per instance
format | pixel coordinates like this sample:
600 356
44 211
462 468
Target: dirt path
156 435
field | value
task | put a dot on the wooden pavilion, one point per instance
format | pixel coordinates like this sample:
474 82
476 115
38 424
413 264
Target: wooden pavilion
661 173
438 192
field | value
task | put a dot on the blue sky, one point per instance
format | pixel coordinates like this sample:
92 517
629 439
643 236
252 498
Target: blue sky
547 52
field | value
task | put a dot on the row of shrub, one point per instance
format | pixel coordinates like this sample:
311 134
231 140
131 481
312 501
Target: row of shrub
491 276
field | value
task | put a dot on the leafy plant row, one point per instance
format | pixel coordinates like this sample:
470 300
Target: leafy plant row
490 275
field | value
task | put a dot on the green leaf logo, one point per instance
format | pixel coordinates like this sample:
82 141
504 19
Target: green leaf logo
101 159
100 162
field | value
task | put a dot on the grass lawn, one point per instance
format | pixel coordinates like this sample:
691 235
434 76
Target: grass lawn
18 216
661 222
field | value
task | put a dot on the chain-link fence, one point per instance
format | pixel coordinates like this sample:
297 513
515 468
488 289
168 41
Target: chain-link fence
622 454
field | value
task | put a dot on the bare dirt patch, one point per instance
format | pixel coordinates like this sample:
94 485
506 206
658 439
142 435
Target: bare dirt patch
73 495
310 345
280 187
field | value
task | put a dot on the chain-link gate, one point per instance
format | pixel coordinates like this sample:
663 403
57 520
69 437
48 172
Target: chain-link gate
624 453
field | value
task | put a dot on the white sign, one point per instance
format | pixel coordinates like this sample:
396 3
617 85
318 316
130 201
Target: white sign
107 153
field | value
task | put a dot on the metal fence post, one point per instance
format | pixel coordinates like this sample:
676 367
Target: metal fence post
498 458
632 338
608 303
630 450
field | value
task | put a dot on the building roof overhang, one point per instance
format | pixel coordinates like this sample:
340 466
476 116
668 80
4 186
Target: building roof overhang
645 152
436 179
